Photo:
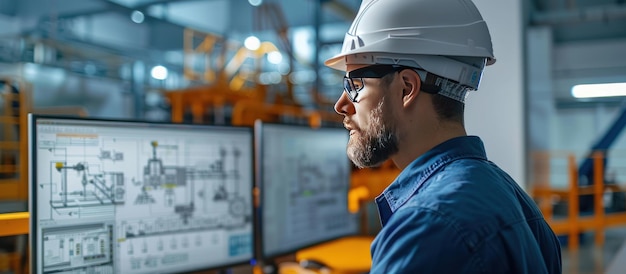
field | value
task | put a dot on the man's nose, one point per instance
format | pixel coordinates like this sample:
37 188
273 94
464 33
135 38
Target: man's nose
343 105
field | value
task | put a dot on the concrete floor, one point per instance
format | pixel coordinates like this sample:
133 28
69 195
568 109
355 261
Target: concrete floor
590 259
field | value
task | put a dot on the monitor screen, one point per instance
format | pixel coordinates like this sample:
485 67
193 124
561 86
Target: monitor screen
304 178
137 197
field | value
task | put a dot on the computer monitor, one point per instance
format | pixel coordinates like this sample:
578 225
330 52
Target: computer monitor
137 197
303 176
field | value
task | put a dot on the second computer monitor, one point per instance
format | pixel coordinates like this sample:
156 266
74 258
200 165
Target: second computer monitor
304 177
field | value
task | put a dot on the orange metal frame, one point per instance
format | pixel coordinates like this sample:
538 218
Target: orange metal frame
15 189
246 112
573 224
12 224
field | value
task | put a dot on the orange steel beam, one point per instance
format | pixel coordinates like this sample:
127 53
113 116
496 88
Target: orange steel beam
199 99
178 108
615 219
573 204
598 185
12 224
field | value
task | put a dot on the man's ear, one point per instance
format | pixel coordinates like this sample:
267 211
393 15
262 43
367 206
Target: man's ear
411 84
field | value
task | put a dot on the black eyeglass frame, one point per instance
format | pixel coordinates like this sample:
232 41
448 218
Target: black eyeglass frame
376 71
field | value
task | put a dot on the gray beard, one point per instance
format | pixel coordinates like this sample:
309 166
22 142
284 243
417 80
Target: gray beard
376 143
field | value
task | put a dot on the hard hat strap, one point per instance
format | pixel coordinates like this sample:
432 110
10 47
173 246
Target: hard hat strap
443 86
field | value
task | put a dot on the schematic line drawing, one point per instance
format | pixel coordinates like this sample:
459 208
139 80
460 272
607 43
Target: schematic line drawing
115 197
167 178
102 193
314 178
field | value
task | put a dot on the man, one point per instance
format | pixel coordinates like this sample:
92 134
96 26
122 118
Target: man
409 65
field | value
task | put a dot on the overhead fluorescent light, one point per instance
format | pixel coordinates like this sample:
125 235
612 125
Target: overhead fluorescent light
252 43
599 90
255 3
137 16
159 72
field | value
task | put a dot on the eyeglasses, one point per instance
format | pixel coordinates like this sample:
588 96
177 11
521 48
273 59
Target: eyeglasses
353 83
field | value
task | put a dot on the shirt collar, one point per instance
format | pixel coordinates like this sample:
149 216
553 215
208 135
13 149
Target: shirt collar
418 171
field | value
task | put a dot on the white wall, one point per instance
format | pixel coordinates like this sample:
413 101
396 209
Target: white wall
496 111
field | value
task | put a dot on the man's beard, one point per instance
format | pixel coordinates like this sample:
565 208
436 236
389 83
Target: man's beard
373 145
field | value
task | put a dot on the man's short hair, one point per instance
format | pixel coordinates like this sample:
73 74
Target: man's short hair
447 108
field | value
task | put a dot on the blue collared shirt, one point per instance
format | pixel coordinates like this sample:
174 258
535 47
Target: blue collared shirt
453 211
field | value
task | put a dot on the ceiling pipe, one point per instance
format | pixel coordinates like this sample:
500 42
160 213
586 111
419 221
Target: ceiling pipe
576 16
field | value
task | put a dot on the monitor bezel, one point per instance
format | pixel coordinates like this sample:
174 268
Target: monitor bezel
262 256
32 193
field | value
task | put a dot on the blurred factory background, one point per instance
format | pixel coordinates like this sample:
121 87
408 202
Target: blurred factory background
207 61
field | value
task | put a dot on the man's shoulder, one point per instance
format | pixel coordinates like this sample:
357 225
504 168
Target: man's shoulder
460 183
468 198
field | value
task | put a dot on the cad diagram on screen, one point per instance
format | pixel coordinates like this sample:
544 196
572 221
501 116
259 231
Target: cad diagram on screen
138 203
317 196
306 176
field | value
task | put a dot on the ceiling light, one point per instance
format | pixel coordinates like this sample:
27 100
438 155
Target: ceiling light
159 72
599 90
255 2
137 16
274 57
252 43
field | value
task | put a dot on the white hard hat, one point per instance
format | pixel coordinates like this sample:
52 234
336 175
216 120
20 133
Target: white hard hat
448 38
